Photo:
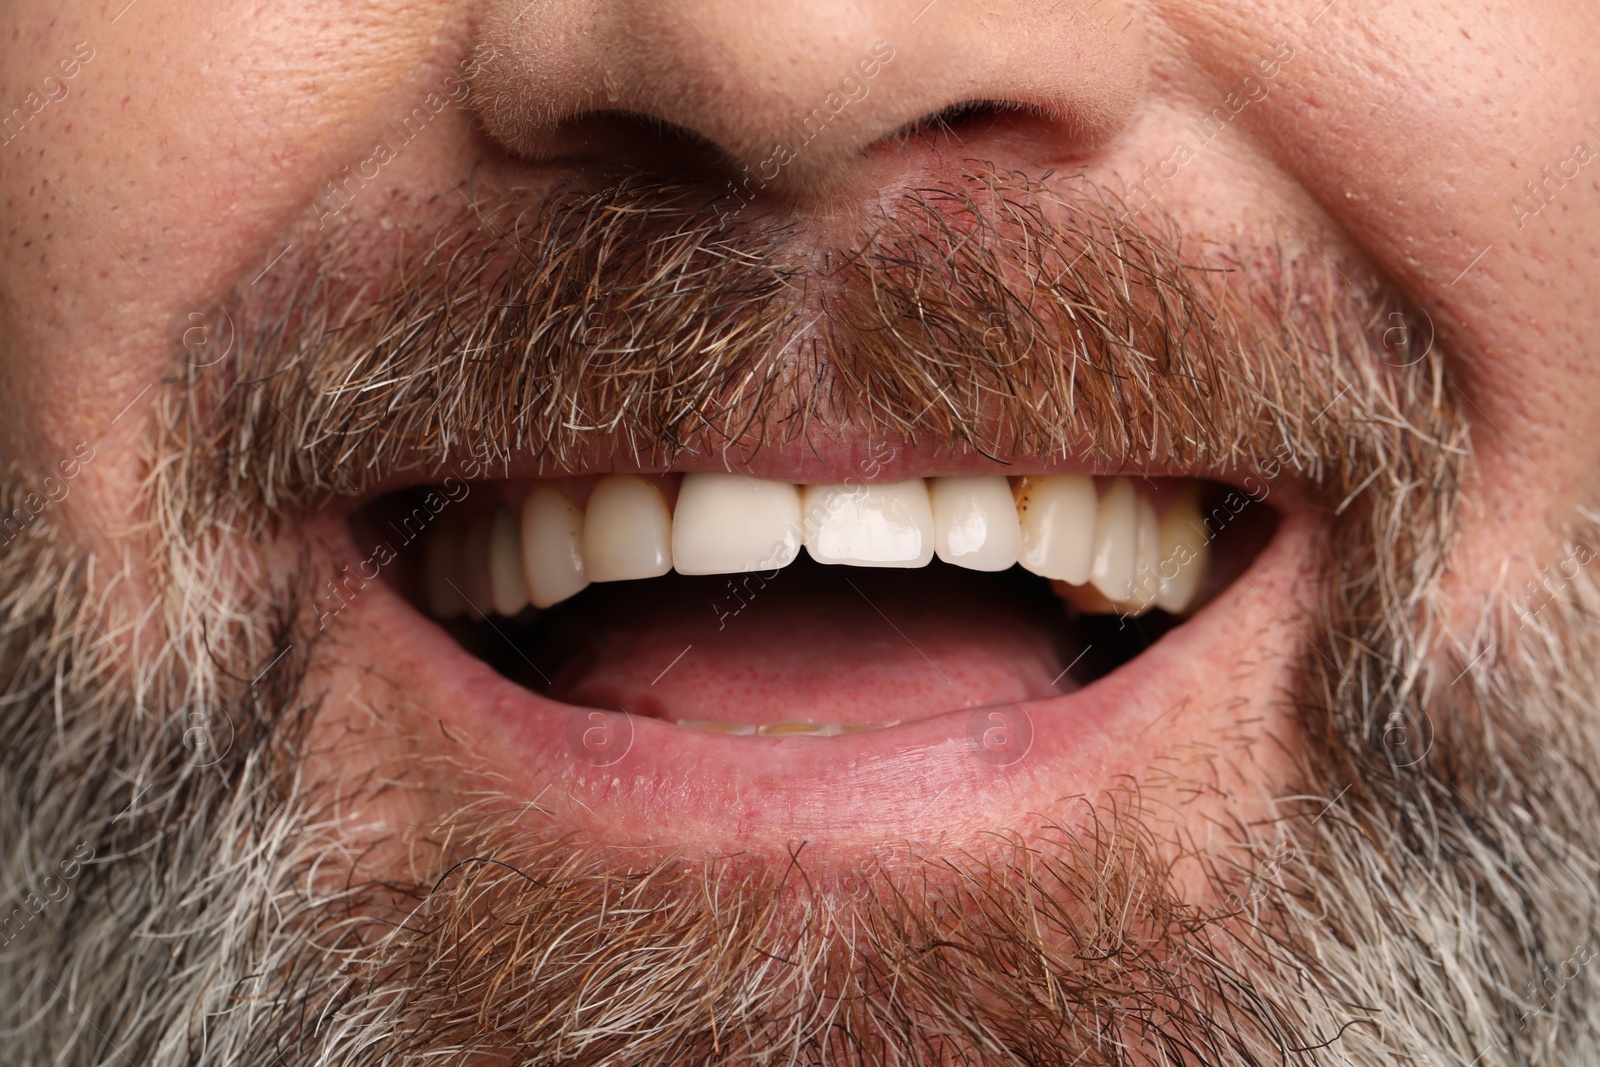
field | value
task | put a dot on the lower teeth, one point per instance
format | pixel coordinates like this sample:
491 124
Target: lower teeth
784 729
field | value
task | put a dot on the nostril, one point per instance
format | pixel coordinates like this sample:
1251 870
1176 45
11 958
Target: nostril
1026 131
616 138
967 121
801 99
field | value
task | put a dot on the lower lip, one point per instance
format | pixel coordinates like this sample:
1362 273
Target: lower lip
639 781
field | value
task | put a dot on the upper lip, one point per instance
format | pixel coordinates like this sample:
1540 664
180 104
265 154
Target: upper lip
823 458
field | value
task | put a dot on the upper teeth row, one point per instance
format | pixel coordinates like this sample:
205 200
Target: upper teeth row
1056 526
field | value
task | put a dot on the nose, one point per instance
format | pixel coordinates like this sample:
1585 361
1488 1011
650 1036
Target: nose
803 89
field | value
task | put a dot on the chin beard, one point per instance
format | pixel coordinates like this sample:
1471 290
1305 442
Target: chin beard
1425 893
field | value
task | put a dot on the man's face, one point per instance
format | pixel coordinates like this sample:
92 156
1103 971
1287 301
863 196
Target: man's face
916 532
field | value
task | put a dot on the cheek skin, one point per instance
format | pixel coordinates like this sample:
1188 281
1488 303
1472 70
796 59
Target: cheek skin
184 148
1414 134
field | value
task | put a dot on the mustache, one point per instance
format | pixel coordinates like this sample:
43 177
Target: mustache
987 315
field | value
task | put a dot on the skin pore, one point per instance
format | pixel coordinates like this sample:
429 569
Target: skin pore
1355 161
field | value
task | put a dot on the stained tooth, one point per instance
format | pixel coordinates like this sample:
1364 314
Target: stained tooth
869 525
1147 561
1116 544
507 587
473 569
1184 552
975 522
552 546
440 563
1057 513
627 530
727 524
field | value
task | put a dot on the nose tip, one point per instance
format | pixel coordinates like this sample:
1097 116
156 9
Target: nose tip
801 90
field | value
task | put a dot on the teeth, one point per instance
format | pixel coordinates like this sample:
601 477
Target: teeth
800 729
784 729
1057 517
1086 598
728 524
1113 554
736 729
473 570
552 546
1170 561
507 587
627 531
1184 548
440 557
975 522
869 525
1116 541
1147 561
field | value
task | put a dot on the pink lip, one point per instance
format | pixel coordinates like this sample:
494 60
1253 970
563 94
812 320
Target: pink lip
643 781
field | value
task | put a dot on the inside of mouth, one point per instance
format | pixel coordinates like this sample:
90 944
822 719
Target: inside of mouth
807 649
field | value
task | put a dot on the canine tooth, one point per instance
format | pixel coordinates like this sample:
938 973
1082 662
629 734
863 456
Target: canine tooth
1116 544
727 524
975 522
507 586
627 530
440 566
800 729
473 568
1184 552
552 546
1056 516
1147 561
869 525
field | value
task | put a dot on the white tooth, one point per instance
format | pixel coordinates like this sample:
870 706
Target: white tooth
508 588
869 525
1057 517
727 523
975 522
627 530
439 567
473 570
1116 540
552 546
1147 561
1184 552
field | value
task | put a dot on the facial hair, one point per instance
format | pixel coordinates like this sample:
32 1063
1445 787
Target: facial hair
1423 894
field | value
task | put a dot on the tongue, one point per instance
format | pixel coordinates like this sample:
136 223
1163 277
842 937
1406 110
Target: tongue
808 644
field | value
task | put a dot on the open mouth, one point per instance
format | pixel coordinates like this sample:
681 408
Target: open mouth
729 605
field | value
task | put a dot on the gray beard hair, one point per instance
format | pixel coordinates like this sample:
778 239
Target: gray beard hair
1425 894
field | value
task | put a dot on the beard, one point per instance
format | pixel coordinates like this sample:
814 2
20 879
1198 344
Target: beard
1423 891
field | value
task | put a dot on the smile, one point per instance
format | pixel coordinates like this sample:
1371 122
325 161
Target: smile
740 659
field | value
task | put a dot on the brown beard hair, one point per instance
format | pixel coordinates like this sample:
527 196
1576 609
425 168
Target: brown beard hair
1409 903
